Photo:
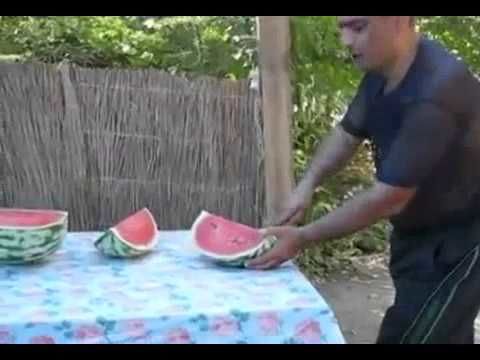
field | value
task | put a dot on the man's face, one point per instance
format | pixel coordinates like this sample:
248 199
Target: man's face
371 40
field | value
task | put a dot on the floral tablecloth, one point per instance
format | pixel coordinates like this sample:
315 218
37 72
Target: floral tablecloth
173 295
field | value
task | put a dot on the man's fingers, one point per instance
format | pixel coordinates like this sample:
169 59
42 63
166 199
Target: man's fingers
264 265
263 259
286 217
269 265
259 261
295 218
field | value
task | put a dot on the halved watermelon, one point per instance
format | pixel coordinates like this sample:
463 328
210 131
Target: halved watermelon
133 236
228 242
29 235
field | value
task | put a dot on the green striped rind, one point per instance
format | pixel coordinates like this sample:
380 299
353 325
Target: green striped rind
267 244
30 245
110 245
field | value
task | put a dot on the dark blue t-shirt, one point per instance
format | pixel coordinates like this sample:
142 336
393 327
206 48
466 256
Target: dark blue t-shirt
426 134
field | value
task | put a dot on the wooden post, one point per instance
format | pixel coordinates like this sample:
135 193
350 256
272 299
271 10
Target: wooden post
274 58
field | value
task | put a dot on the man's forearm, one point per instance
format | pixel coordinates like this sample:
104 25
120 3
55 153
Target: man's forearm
373 205
331 156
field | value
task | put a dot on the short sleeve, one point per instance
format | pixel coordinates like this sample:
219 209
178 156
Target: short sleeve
354 121
423 140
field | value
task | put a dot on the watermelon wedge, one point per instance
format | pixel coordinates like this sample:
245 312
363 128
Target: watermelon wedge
228 242
133 236
30 235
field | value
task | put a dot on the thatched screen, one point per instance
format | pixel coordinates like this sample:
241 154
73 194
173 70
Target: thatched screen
102 143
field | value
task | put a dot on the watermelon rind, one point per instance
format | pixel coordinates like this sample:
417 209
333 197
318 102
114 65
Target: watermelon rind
238 259
112 244
241 261
31 244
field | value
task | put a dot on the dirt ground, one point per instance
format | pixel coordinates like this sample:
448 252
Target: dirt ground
360 299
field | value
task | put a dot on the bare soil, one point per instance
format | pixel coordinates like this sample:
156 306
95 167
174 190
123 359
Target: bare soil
361 297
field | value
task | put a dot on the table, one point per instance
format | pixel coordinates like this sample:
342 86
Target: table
172 295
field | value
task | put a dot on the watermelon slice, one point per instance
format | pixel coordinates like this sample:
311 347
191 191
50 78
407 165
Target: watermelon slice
30 235
228 242
134 236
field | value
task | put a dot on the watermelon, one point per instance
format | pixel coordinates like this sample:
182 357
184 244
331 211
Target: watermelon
228 242
30 235
133 236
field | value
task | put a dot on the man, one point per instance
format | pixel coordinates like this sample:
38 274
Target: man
420 107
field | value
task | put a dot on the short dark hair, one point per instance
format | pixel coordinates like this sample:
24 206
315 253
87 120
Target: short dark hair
412 19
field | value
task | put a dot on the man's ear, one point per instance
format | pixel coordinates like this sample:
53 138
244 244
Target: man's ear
408 21
399 22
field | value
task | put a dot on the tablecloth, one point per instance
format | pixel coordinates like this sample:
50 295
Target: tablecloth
172 295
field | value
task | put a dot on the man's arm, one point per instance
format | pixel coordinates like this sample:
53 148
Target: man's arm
330 157
339 147
380 202
425 137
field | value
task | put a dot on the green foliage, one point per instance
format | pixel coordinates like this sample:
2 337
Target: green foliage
324 80
218 46
461 34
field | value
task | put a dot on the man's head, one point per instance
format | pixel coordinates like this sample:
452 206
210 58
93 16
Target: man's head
376 41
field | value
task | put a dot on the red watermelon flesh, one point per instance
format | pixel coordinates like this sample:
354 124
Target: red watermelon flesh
138 230
26 218
222 237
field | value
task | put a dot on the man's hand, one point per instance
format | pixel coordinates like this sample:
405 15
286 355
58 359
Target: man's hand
380 202
294 209
331 155
289 244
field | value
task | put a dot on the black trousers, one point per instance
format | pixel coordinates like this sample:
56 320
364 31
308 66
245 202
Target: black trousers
436 276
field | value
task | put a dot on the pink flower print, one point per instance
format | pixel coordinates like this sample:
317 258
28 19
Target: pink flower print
65 276
112 286
64 267
136 309
300 301
118 296
190 278
86 332
34 291
178 336
173 309
74 311
7 309
78 290
6 337
150 286
269 323
271 284
309 331
42 339
39 316
257 293
263 300
225 326
124 299
135 328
